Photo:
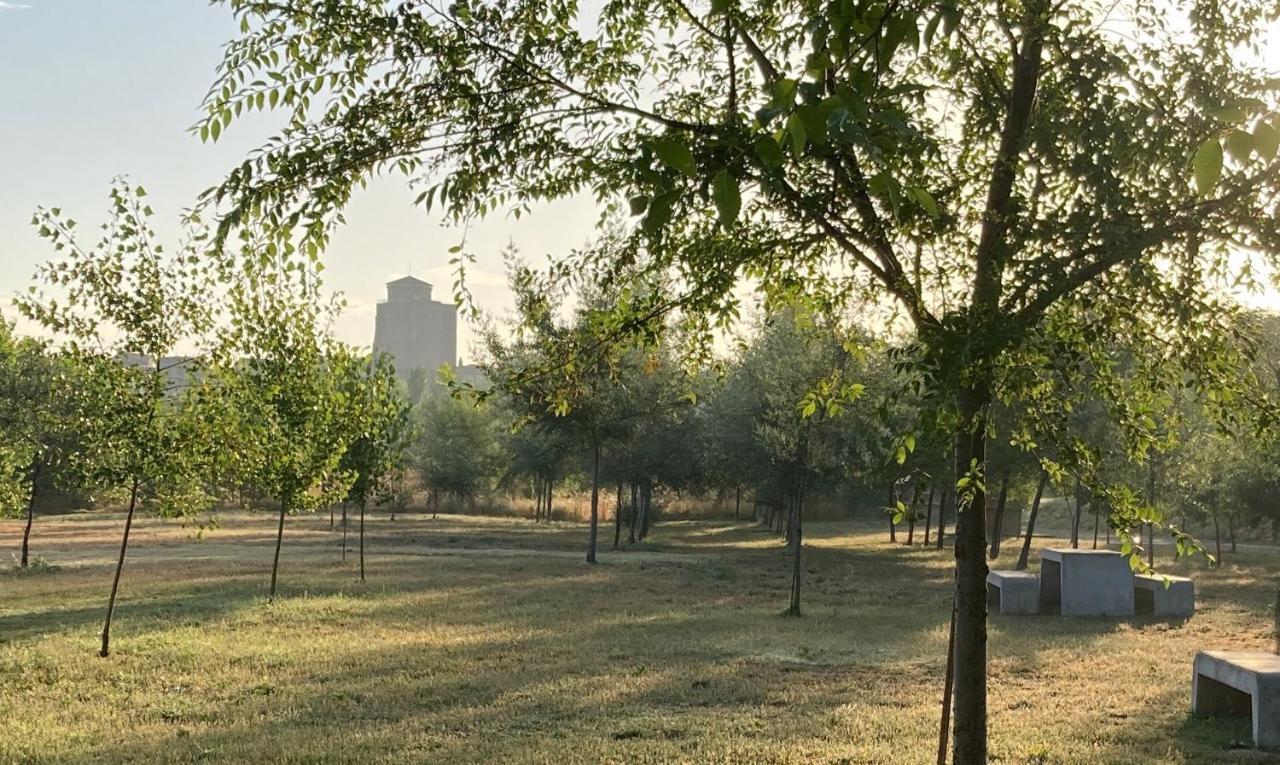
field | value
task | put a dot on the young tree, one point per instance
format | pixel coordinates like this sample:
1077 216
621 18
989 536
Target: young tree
37 420
288 379
979 167
455 447
380 436
121 309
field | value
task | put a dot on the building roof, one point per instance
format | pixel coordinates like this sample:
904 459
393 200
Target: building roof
407 280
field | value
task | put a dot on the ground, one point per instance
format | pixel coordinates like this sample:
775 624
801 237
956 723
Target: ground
479 640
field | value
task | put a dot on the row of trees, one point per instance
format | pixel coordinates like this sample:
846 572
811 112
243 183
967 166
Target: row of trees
152 395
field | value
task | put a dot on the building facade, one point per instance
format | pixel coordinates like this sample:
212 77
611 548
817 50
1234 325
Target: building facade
417 331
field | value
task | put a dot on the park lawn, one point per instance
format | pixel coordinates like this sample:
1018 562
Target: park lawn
490 640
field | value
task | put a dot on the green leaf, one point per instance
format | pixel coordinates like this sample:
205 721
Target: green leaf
676 155
926 200
728 198
1266 141
721 6
660 208
639 203
1240 145
796 129
1206 165
769 152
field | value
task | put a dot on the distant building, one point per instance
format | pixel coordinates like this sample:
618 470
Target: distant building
417 332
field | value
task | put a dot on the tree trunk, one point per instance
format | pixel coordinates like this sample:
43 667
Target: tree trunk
1097 515
971 584
31 512
646 509
362 506
1231 530
275 563
928 514
635 512
1031 522
595 503
942 516
948 685
911 516
797 546
344 531
550 489
997 525
115 582
737 504
1075 519
617 518
893 510
1217 538
331 513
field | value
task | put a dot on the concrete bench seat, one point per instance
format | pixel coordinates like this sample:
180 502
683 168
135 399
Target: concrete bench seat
1085 583
1243 683
1013 592
1152 596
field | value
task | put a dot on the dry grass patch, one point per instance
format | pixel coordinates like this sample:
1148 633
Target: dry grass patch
677 653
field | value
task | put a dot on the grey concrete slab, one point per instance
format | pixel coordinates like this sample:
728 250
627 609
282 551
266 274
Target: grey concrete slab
1085 583
1164 595
1242 683
1013 592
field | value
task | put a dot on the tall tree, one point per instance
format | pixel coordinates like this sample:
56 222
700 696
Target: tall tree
978 167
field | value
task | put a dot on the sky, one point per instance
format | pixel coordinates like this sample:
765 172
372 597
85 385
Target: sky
93 89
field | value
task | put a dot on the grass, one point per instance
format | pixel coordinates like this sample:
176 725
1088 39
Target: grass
489 640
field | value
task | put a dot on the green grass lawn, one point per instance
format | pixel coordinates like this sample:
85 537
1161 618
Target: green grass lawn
487 640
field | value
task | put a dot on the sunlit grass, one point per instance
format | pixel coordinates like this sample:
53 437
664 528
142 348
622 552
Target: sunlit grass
678 653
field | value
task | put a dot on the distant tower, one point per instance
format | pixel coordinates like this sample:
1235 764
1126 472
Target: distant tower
418 332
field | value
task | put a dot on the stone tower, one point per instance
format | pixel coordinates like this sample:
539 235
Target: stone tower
418 332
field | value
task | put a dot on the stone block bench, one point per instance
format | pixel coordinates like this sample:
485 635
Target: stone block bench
1013 592
1152 596
1085 583
1243 683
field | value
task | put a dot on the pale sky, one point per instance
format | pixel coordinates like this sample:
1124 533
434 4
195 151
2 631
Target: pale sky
90 89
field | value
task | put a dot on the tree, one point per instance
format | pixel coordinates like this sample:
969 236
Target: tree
36 419
121 308
289 380
455 448
980 168
379 438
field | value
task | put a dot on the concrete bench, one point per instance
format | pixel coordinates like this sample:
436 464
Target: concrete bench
1085 583
1243 683
1013 592
1152 596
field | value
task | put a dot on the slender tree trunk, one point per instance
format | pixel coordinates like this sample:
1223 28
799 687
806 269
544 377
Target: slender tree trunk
617 519
971 585
646 511
635 512
331 513
737 504
948 684
275 563
31 512
893 510
911 516
997 525
1217 538
942 516
1075 519
1097 515
595 502
928 514
550 489
1031 522
115 582
344 531
363 503
797 546
1231 530
1151 500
